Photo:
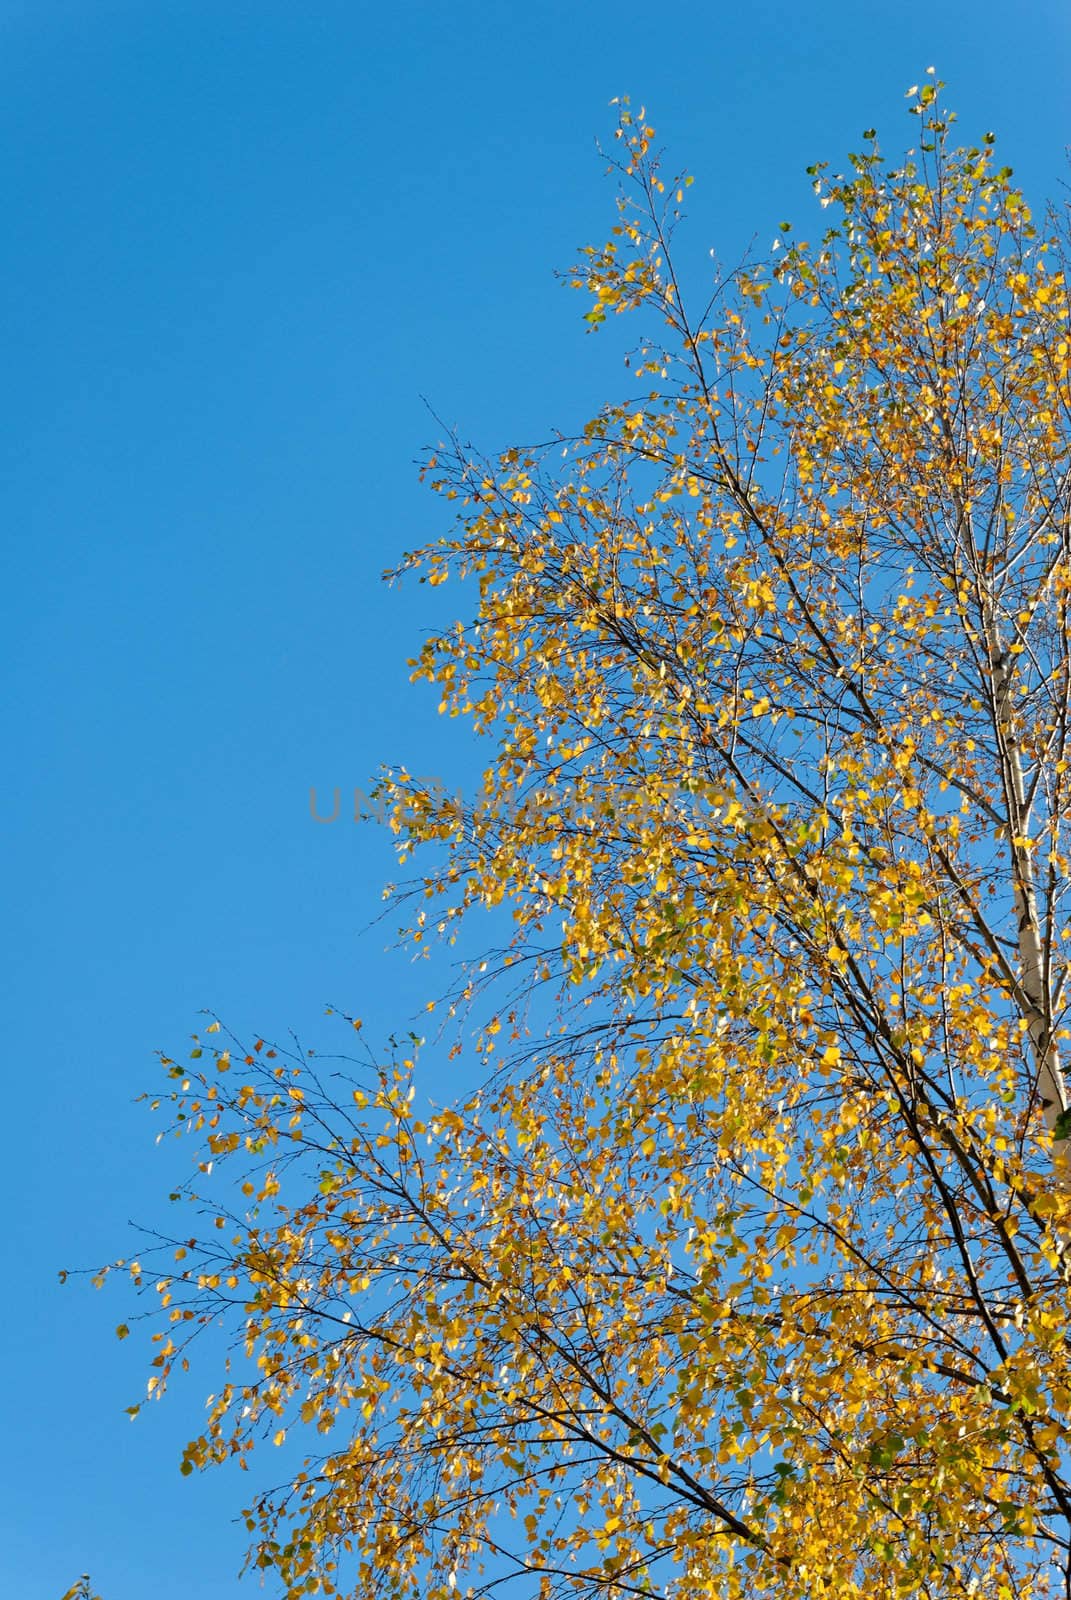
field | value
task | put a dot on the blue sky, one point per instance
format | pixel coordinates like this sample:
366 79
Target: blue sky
242 242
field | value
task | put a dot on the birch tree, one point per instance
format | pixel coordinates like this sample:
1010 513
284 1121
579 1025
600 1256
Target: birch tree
746 1271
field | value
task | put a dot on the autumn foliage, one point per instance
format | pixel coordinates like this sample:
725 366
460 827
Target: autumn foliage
746 1272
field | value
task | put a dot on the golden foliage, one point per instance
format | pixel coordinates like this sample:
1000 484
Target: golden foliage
81 1590
747 1276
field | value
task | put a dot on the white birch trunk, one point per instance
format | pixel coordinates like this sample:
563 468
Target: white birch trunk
1034 981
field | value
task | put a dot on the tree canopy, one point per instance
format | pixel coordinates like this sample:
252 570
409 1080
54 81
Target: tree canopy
746 1271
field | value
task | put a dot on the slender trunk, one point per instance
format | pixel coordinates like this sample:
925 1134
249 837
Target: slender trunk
1050 1087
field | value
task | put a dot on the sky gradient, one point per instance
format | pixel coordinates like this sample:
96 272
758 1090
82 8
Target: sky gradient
249 250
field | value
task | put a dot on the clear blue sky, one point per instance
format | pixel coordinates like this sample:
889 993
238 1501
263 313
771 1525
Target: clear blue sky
241 241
